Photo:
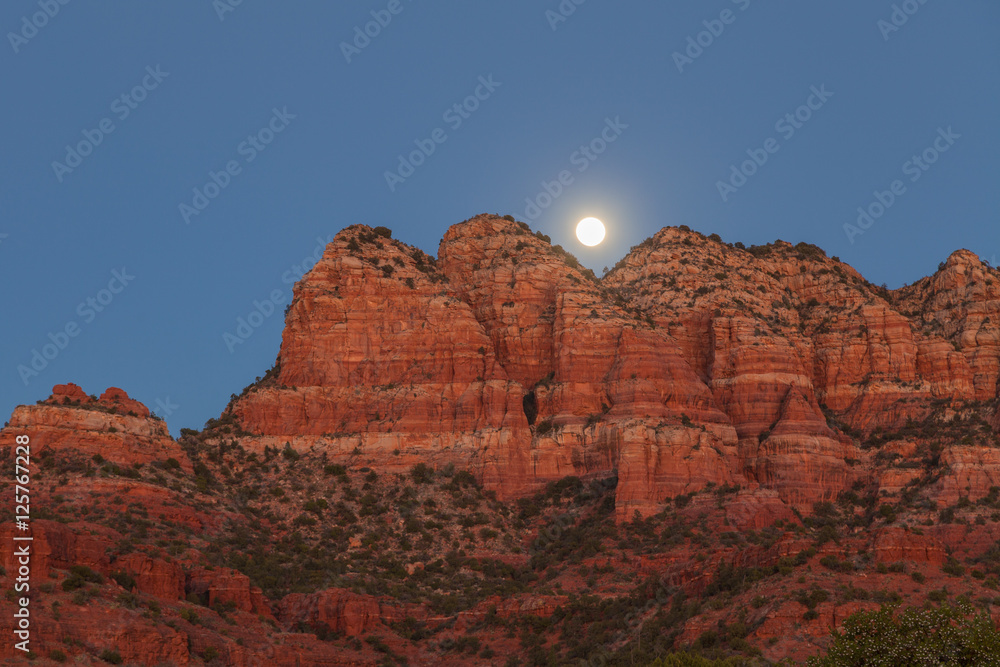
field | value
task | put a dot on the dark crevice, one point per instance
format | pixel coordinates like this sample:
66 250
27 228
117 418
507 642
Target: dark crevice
530 405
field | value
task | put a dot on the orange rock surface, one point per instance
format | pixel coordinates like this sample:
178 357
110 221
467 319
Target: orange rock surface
531 369
761 388
113 427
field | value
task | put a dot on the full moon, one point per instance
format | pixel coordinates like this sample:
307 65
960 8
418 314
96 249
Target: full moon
590 231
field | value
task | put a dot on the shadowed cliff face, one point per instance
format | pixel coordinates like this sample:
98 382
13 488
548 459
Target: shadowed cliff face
692 363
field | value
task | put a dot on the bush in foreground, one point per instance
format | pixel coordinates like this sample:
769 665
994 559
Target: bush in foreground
942 635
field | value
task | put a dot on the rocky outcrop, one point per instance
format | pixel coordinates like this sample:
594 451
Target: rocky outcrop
227 588
766 409
59 546
801 457
334 609
153 576
114 427
380 358
506 357
960 303
970 472
598 380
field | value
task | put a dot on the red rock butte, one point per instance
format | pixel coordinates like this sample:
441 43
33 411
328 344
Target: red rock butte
765 408
692 362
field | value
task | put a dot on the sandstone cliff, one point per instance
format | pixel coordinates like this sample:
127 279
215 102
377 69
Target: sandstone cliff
702 421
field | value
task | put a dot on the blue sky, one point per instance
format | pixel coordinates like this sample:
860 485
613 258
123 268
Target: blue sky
308 117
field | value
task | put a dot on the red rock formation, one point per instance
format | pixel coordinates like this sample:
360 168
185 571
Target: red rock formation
802 458
970 472
68 392
153 576
961 303
892 544
585 362
114 427
336 609
222 586
118 399
388 353
758 372
59 546
377 345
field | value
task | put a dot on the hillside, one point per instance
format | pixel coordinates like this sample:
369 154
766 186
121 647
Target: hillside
494 456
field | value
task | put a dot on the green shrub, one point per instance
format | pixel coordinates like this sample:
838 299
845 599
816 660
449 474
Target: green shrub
939 595
189 616
112 656
124 579
942 636
833 563
315 506
422 473
79 575
953 567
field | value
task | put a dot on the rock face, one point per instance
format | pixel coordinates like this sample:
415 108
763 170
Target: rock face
763 408
381 358
226 587
692 363
334 609
57 546
959 304
153 576
113 427
503 356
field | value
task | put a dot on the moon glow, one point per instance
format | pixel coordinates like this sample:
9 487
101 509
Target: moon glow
590 231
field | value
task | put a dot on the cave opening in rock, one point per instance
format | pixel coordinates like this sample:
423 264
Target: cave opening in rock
530 405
